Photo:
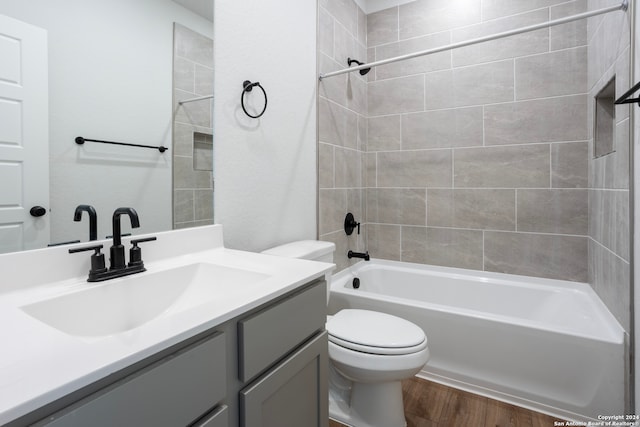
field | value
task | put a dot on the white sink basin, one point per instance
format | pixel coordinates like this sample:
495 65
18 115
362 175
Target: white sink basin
122 304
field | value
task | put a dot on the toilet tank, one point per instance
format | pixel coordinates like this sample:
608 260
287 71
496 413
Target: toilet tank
314 250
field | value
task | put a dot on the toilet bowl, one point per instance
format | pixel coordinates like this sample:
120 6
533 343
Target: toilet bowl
370 353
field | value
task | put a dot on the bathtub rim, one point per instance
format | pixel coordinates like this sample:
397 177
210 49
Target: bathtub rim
615 331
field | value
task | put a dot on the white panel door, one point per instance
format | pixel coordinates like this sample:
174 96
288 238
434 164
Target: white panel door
24 136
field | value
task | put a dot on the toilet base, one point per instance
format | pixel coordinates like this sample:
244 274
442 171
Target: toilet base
370 405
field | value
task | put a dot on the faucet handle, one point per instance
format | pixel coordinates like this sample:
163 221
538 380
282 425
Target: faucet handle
97 261
350 223
135 253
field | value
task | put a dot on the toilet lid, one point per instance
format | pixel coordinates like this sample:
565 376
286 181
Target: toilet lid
374 332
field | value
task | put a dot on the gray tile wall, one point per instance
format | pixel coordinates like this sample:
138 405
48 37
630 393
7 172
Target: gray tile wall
487 145
608 179
343 125
192 140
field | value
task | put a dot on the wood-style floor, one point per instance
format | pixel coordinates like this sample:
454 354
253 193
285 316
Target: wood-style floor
428 404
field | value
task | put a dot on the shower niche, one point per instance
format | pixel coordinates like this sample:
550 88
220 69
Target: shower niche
604 121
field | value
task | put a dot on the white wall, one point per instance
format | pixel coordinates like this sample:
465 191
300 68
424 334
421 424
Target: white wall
265 169
110 77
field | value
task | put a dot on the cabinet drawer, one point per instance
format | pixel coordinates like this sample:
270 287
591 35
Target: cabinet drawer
270 334
172 392
219 417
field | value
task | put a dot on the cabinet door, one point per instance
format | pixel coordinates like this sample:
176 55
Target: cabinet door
292 394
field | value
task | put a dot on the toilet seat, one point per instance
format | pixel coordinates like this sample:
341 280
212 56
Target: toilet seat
372 332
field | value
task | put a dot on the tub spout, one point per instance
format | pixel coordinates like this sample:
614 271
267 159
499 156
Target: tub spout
364 256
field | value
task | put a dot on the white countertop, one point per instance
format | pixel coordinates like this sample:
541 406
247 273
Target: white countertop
39 364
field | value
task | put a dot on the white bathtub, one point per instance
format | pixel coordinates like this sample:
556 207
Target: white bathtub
548 345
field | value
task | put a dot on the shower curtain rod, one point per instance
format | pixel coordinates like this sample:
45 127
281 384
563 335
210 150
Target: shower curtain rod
622 6
200 98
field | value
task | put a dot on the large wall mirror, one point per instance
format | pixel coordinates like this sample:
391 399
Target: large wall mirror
116 71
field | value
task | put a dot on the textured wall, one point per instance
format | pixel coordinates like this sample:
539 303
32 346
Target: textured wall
265 169
609 271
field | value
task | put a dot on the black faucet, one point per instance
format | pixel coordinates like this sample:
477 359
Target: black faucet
117 261
93 219
117 267
365 256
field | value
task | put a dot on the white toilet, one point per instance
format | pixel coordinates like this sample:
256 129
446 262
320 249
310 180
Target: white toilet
370 353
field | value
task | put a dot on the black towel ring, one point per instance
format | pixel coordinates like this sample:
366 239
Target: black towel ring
248 87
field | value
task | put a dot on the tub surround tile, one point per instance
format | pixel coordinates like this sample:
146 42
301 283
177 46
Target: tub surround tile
345 45
183 74
428 168
609 220
345 12
423 64
203 205
569 165
370 170
338 125
552 74
183 139
193 113
473 85
183 206
610 278
492 9
543 120
442 246
510 47
402 95
193 46
362 27
384 241
326 171
347 168
384 133
571 34
476 209
333 208
460 127
612 170
382 27
538 255
325 32
559 211
502 167
185 177
203 81
422 17
396 206
357 93
355 205
334 88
